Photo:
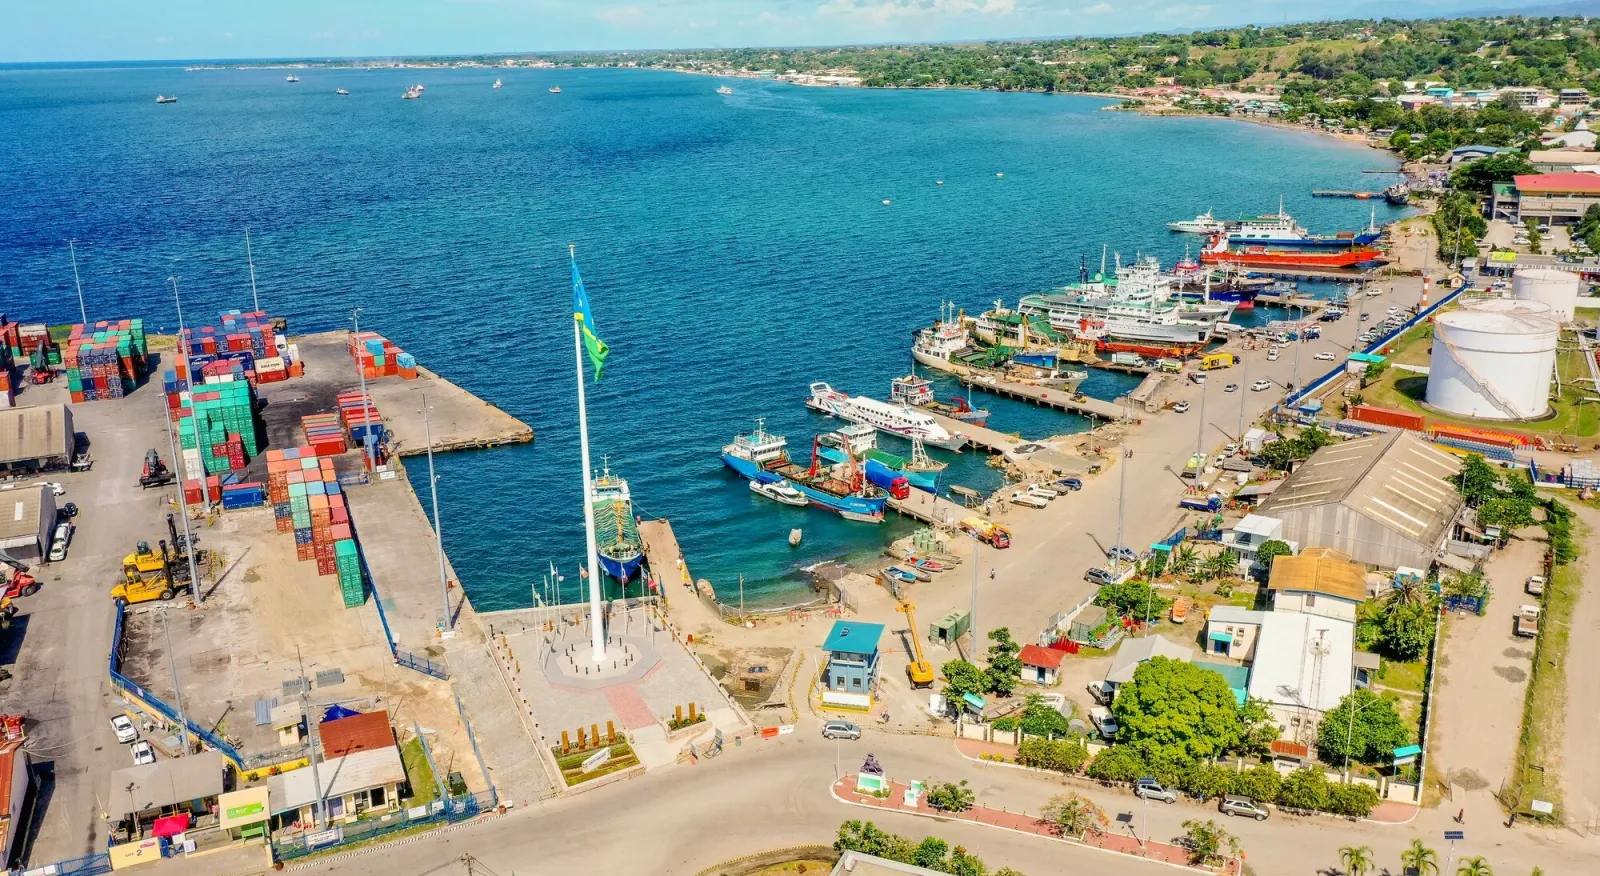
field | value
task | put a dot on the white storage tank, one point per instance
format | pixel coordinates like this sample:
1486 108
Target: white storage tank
1494 359
1559 289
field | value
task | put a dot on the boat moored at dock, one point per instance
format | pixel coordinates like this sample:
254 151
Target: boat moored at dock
883 416
918 393
1222 250
842 488
616 530
1204 223
781 492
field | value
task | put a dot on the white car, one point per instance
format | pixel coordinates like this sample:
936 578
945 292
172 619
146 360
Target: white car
58 543
1260 385
143 753
123 727
1230 387
1272 355
1180 407
1325 357
55 488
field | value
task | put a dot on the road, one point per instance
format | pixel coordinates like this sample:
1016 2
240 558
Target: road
775 793
57 652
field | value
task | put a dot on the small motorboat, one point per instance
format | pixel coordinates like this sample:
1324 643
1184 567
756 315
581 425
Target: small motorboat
411 94
499 84
162 98
342 91
291 78
781 492
555 89
724 90
794 537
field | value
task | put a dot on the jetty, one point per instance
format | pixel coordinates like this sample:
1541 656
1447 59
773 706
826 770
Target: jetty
665 558
1335 193
1295 273
1290 300
980 437
1043 395
928 508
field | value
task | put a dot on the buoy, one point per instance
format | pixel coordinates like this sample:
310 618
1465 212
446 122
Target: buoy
886 202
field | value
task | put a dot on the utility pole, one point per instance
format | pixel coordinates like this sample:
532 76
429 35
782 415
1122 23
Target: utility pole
311 737
1122 497
72 247
196 592
1200 431
183 343
177 687
367 449
433 487
972 615
1244 390
249 257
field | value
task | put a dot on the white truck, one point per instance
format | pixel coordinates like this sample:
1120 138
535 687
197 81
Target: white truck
1527 621
1103 721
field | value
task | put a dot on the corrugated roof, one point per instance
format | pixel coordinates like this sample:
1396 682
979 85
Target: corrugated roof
1536 183
8 763
339 776
1394 478
19 514
35 432
853 637
1133 652
166 782
1034 655
1320 570
366 732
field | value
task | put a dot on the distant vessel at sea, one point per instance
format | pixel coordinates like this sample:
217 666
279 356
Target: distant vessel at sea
342 91
724 90
412 93
291 78
843 489
499 84
162 98
1204 223
616 531
555 89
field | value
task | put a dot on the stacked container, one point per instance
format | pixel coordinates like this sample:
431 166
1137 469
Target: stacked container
323 434
307 501
247 339
106 361
377 356
219 420
360 418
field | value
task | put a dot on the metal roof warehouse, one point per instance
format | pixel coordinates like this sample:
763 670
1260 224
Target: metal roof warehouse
35 438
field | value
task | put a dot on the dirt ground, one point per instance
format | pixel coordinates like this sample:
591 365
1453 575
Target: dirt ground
1581 773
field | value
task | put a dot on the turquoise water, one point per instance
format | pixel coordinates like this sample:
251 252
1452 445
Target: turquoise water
735 248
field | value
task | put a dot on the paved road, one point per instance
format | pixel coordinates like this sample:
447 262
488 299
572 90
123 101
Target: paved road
774 793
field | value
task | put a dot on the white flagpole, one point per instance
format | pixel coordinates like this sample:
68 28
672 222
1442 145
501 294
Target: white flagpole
597 633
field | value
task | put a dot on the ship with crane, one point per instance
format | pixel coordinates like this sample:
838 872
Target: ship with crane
842 488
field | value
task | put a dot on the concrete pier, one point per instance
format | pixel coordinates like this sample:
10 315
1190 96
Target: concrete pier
981 437
928 508
1054 398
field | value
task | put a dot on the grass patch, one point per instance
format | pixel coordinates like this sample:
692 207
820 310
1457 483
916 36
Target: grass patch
1411 676
1545 709
571 765
1406 390
419 775
816 867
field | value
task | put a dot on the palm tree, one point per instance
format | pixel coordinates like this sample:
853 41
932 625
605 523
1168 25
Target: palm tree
1221 565
1183 562
1475 866
1356 860
1423 860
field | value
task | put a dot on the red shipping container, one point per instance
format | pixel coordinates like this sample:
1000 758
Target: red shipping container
1387 417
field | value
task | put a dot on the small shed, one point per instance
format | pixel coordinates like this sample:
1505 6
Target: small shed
1083 626
243 813
853 659
952 626
1367 665
1041 665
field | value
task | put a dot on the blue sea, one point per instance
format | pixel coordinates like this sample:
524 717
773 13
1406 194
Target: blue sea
735 249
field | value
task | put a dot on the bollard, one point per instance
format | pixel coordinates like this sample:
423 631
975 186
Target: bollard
611 732
677 714
691 713
566 744
595 731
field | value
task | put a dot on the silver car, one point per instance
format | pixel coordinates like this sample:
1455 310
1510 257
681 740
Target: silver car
840 730
1233 804
1150 789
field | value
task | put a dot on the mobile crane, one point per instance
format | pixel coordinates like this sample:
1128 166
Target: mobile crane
920 670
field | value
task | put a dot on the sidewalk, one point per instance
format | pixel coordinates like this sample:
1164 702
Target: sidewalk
845 790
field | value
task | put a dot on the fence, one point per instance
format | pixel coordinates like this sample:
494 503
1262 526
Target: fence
149 701
1319 382
447 811
86 866
401 658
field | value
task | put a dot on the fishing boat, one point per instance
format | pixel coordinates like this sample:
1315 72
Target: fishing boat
843 489
616 531
895 574
291 78
917 392
555 89
909 573
412 93
724 90
498 84
162 98
342 92
1204 223
885 417
781 492
1222 250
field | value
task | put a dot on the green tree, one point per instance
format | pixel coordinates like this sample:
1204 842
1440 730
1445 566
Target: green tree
1004 668
1305 788
1270 550
1039 718
1355 860
1207 841
962 863
1260 728
1420 858
1071 814
1220 565
1184 561
1363 727
1355 799
963 678
1478 481
868 839
1175 709
930 853
1474 866
1061 755
1408 630
1119 763
950 796
1260 782
1133 598
1480 175
1206 779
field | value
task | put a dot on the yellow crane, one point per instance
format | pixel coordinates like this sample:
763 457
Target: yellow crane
920 670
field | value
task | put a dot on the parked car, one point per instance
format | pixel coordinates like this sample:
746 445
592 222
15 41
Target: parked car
1102 692
1103 721
1123 553
1230 449
1150 789
58 543
1233 804
1259 385
1272 355
1180 408
1324 356
54 488
123 726
1197 377
67 511
1099 577
1365 317
142 753
1070 483
1232 387
1535 586
840 730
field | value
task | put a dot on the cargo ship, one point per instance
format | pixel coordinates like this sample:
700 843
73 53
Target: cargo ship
893 419
615 529
1221 251
882 467
764 457
1279 230
918 393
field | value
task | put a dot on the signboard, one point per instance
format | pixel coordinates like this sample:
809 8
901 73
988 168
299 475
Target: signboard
417 812
130 854
236 812
1455 835
1543 807
324 837
1502 258
784 729
596 760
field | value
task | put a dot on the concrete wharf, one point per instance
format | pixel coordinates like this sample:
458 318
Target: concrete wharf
664 557
928 508
1055 398
1338 193
1281 300
980 437
1294 273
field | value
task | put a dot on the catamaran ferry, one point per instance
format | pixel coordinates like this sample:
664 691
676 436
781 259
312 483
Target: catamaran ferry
885 417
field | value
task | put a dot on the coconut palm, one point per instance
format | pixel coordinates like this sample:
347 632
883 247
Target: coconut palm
1184 561
1356 860
1423 860
1475 866
1221 565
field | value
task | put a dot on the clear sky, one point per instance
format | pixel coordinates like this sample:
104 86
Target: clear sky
99 30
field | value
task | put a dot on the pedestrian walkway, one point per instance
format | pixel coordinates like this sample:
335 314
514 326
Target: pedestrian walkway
845 789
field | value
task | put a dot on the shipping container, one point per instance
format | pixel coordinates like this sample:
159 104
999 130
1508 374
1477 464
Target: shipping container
1387 417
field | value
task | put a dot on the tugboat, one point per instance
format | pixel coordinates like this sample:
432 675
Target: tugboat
859 441
764 457
412 93
1398 194
917 392
616 531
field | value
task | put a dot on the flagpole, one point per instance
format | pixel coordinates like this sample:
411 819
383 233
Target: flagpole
597 633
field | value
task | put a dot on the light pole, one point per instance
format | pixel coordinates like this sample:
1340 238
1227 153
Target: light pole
433 487
177 688
1122 496
367 449
311 737
72 247
183 343
972 616
196 592
1200 431
250 257
1244 383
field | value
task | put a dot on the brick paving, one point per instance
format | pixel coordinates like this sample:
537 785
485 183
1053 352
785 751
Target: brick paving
845 789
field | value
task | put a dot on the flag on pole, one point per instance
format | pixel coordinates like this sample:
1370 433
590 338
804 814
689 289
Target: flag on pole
595 347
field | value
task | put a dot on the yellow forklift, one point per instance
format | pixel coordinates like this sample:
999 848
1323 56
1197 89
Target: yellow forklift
155 574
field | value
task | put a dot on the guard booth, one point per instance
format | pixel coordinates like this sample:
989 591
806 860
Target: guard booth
243 813
946 630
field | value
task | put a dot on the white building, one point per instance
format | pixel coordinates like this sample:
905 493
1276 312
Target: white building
1319 581
1133 653
27 521
1304 665
1252 531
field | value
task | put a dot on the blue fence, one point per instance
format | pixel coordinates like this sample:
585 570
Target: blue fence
1316 384
86 866
447 811
420 664
126 685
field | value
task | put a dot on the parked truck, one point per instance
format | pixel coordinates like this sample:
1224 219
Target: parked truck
1527 621
1212 502
992 534
1213 361
1133 360
1192 468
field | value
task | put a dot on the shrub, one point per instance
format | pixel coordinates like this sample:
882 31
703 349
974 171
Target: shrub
951 797
1260 782
1206 840
1305 788
1061 755
1355 800
1119 763
1206 780
1072 814
1006 724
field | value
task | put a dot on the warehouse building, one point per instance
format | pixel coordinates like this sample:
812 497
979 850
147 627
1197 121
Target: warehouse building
27 518
37 438
1386 501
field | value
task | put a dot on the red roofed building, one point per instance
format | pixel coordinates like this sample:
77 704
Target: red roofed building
1040 665
367 732
1554 198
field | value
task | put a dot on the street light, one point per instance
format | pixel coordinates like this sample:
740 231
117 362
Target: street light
72 247
182 341
367 449
438 537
